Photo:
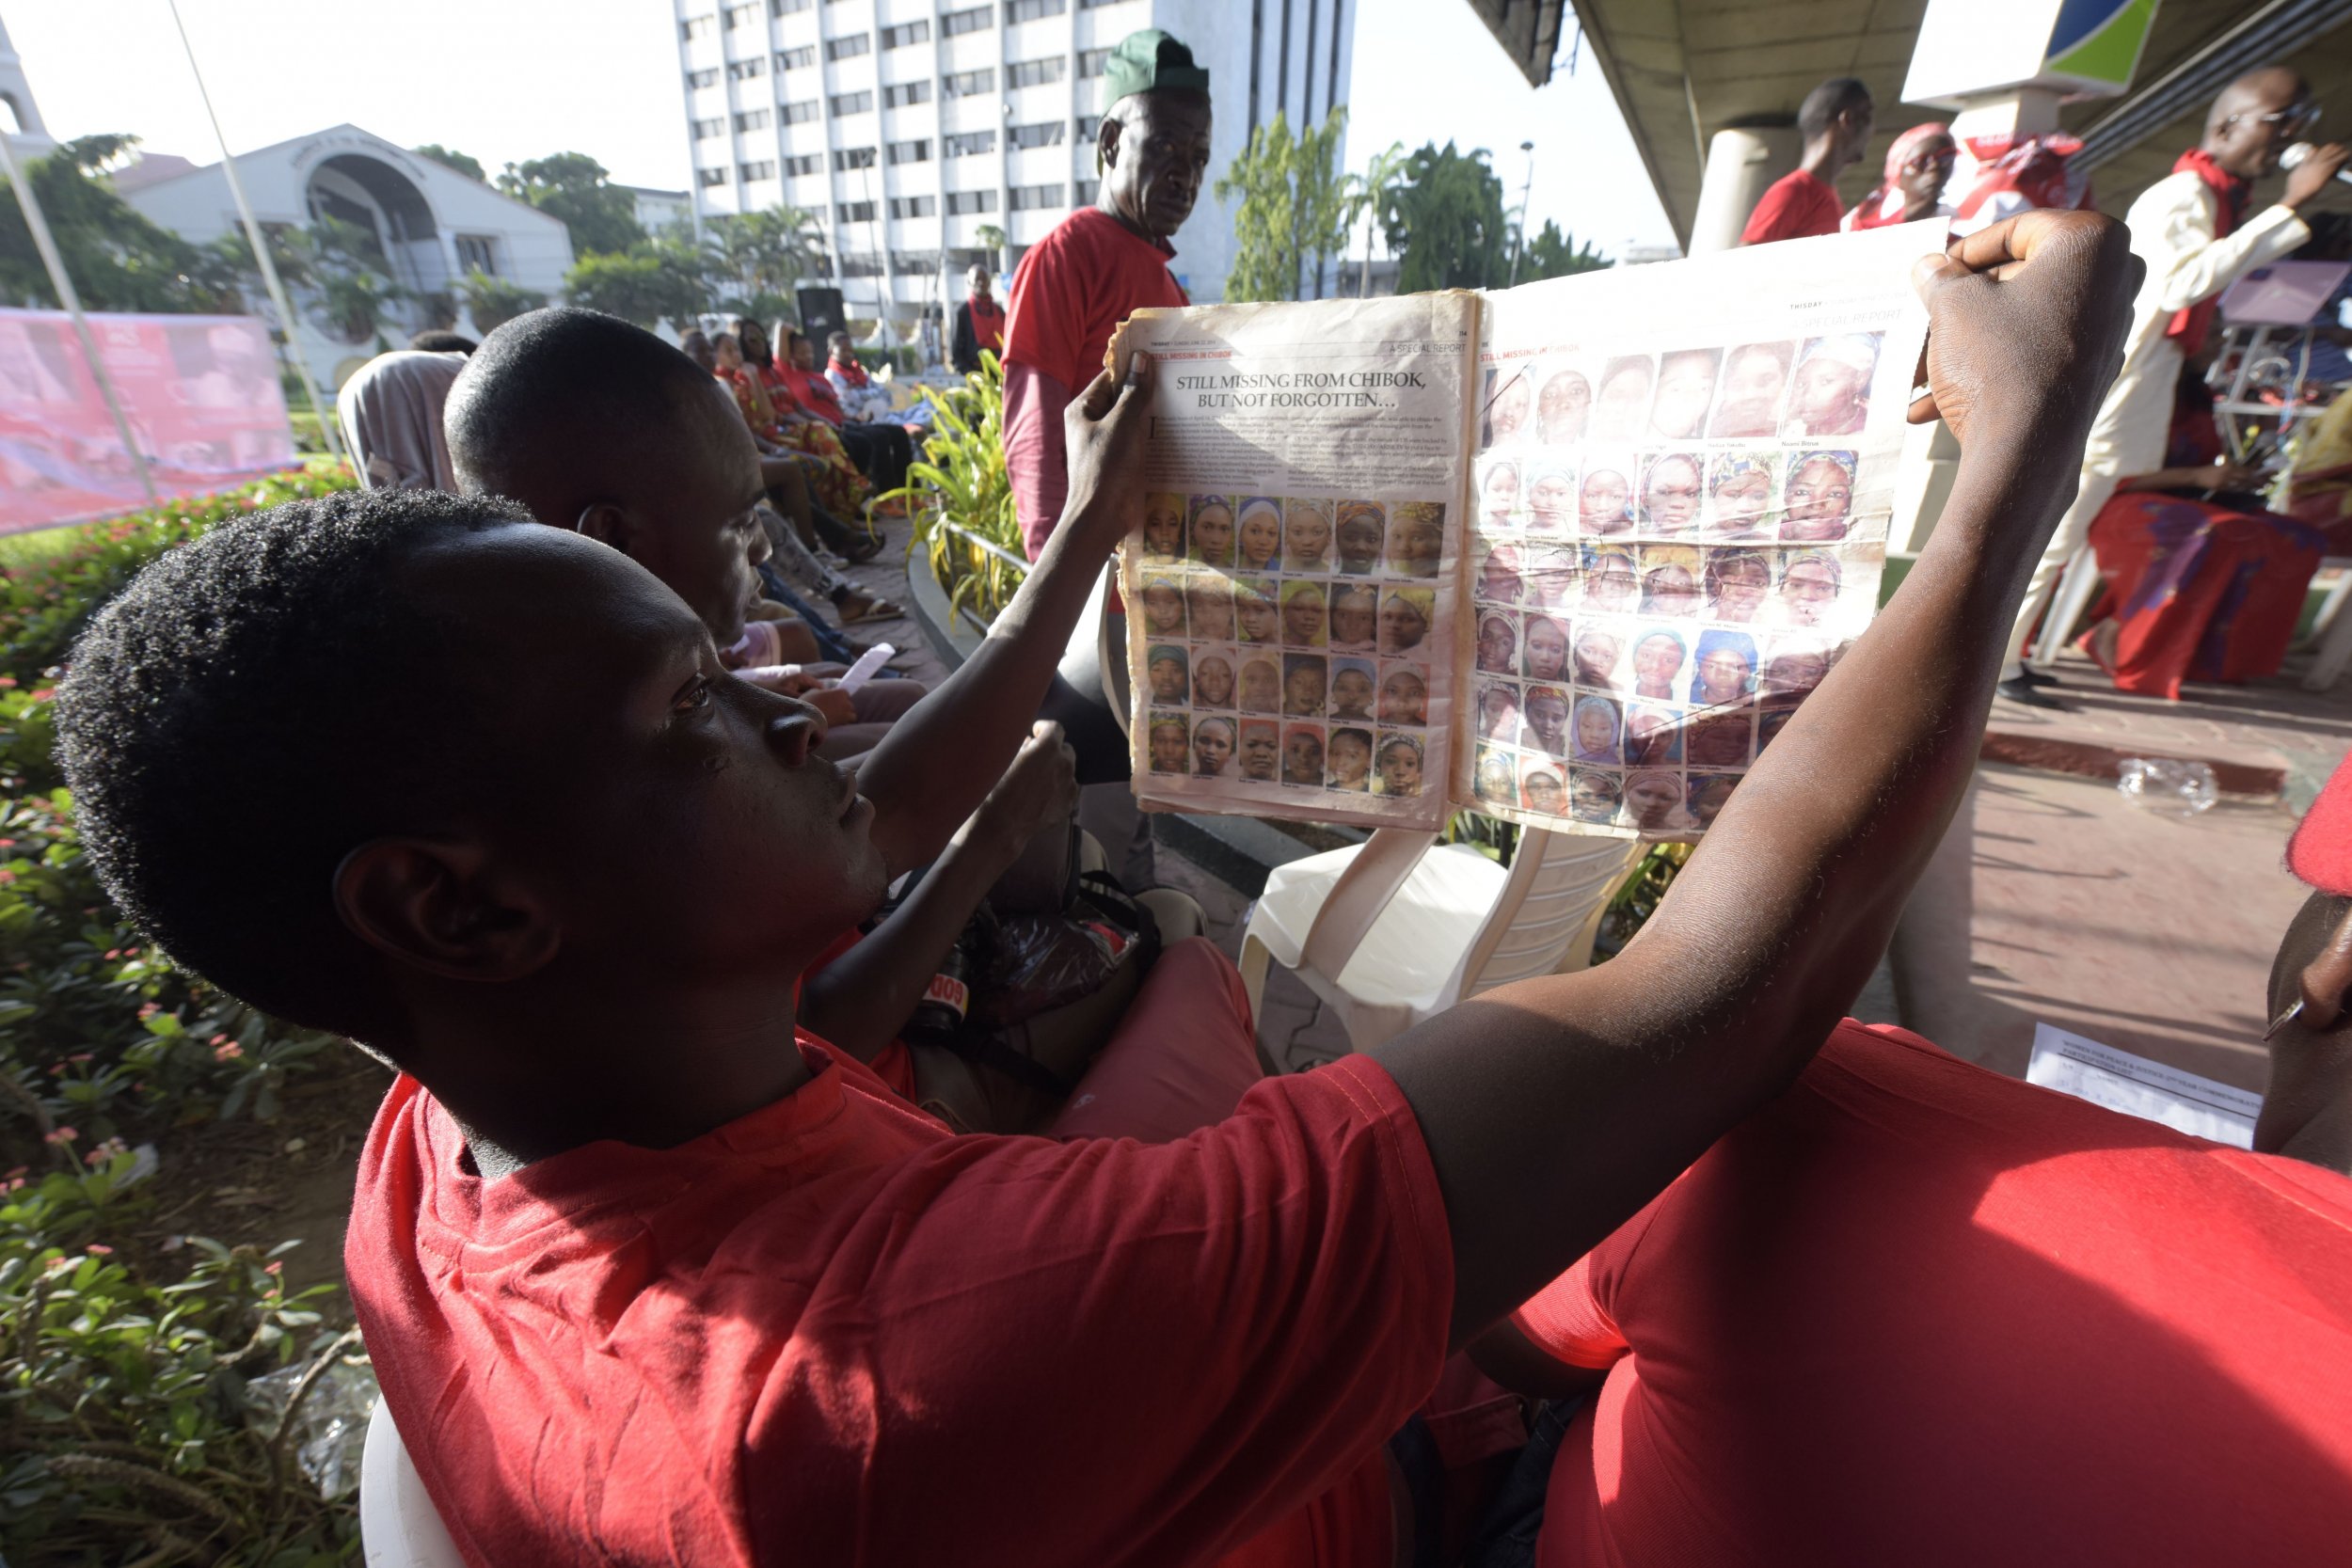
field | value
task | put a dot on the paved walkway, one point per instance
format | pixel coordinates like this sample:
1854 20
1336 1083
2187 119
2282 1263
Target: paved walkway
2055 898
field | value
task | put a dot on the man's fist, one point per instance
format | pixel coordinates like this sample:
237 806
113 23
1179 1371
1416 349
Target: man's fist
2309 177
1103 429
1040 789
2026 326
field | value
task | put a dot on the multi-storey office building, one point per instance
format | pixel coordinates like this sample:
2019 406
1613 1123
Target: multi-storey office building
908 126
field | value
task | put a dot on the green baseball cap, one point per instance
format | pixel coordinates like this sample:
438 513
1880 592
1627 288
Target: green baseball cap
1146 61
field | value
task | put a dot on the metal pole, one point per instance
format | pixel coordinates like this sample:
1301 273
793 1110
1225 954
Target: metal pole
286 318
1520 248
47 244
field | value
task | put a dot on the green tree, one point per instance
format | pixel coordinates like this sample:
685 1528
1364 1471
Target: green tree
759 256
993 241
464 162
575 187
1295 206
1445 223
493 301
118 258
345 282
657 280
1554 254
1370 194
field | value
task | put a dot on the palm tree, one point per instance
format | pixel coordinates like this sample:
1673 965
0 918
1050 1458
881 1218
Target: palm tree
1371 192
770 250
993 240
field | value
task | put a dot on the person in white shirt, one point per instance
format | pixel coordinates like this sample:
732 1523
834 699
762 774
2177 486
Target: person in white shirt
2194 231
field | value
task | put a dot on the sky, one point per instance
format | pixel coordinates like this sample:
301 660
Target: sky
507 80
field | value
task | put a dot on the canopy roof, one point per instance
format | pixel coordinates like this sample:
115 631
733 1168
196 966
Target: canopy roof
1683 70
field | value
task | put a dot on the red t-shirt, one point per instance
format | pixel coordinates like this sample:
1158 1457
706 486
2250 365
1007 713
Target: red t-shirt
1076 286
1795 207
987 324
1914 1312
832 1332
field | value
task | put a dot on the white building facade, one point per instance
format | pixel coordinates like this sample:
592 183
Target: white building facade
19 113
908 126
433 224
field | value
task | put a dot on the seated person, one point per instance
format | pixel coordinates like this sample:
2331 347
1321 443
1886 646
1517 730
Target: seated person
597 427
863 398
1970 1296
709 1255
787 433
882 452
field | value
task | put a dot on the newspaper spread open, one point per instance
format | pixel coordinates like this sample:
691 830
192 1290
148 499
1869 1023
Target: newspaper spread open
1578 578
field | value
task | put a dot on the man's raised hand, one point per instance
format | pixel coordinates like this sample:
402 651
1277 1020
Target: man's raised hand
2025 326
1103 431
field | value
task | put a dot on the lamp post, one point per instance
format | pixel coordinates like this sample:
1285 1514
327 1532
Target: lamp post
1520 248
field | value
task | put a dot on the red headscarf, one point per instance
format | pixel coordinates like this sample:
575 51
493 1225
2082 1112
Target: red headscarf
2230 192
1884 204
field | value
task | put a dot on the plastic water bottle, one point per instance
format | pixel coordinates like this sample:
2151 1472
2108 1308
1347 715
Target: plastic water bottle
2167 785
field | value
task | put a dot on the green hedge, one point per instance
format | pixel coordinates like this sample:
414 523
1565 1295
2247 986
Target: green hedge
129 1426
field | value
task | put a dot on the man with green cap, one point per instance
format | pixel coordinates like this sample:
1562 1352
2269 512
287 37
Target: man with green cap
1103 262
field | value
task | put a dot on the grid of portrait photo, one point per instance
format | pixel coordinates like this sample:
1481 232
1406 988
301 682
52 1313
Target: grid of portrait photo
1669 550
1291 642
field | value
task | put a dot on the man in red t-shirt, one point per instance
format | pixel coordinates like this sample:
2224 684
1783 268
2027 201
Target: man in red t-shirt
651 1276
1835 121
1101 264
979 324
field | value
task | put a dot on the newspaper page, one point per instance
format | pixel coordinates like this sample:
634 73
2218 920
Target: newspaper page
1291 594
1684 478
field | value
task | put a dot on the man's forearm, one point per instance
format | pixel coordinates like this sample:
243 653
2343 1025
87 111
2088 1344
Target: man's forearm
1556 1107
941 760
862 1001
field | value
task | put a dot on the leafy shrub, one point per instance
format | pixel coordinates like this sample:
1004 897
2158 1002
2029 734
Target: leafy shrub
125 1427
962 479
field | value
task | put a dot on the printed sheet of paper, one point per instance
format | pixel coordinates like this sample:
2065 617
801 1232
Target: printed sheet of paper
1293 595
1684 480
2136 1086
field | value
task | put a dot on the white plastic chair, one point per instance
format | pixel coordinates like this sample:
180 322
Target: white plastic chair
2077 586
1397 929
398 1527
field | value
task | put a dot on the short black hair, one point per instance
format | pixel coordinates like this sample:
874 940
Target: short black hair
554 387
438 339
1827 101
255 706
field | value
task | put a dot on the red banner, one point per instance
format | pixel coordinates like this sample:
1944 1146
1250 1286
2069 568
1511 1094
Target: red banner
200 393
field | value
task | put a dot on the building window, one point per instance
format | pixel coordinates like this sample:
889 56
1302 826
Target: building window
1030 11
917 261
1032 198
786 8
864 265
706 129
695 27
799 114
848 46
764 169
1089 127
744 70
1095 4
852 102
914 206
478 253
846 158
796 59
910 152
971 201
1047 134
1091 62
710 176
965 144
973 21
806 163
899 94
906 33
751 120
740 16
853 212
1033 74
708 77
969 84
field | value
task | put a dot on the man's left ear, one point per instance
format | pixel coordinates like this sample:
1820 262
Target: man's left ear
442 907
1107 145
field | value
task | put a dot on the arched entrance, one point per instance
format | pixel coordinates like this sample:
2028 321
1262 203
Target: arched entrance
388 213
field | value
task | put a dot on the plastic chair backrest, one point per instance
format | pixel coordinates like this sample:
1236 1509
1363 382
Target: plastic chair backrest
398 1524
1547 906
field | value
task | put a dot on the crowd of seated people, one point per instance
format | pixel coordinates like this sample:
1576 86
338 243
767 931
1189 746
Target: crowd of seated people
661 1259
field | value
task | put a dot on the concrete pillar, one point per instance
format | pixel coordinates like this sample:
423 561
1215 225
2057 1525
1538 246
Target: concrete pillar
1740 163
